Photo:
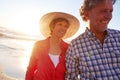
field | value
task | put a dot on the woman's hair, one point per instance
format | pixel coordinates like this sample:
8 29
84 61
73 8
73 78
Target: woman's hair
88 5
54 21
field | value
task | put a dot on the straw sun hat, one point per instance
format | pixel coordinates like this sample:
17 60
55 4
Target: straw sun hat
47 18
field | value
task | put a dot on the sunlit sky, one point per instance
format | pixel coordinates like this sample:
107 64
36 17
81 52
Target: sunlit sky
24 15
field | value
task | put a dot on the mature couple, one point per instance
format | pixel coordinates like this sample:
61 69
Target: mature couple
93 55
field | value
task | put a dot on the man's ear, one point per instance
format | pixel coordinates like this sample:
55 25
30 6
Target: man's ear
86 15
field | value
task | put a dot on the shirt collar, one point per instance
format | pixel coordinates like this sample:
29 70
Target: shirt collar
92 35
109 33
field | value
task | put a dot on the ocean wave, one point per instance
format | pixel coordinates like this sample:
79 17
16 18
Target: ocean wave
9 47
7 33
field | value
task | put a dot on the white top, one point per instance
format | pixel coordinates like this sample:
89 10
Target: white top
54 58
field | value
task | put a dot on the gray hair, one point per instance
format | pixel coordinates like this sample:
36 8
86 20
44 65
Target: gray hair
88 5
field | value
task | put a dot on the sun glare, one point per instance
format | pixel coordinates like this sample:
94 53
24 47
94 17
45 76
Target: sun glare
25 59
24 21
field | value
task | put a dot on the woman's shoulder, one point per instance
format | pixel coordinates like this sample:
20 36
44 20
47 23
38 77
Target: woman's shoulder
39 42
42 43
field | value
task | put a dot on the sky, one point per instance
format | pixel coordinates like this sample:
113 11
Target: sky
24 15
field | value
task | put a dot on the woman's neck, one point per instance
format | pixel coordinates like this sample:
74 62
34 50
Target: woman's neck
55 46
54 40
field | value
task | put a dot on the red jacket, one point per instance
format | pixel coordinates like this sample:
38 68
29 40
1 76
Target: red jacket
40 65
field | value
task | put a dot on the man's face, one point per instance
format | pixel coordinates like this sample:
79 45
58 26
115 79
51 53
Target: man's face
99 16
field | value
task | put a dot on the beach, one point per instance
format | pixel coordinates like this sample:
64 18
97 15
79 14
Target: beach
14 56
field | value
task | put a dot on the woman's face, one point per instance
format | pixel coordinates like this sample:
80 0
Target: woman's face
60 29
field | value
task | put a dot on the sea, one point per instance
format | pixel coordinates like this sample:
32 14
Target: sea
15 51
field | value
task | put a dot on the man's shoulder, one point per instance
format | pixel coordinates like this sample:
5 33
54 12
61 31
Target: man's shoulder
80 38
112 31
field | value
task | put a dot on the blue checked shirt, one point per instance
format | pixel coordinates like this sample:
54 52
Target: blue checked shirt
88 59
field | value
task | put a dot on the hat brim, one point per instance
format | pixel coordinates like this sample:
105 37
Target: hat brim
47 18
